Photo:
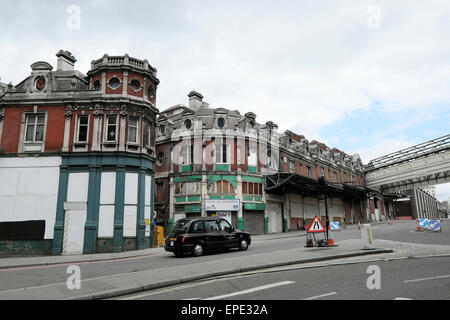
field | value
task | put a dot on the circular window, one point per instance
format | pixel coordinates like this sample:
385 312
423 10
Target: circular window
221 122
135 85
188 124
40 83
114 83
151 92
97 85
162 130
160 158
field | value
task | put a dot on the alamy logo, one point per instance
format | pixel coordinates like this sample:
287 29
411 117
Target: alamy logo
374 281
74 18
74 280
373 17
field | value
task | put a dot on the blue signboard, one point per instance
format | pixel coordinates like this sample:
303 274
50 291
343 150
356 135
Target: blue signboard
434 225
423 223
334 226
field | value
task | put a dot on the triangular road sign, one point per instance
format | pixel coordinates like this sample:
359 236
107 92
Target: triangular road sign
316 226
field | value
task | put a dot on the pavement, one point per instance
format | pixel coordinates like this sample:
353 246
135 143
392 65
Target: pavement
133 282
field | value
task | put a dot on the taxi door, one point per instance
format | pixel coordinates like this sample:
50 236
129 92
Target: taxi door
230 238
214 237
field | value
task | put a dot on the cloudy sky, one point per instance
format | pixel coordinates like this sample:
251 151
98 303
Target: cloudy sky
367 77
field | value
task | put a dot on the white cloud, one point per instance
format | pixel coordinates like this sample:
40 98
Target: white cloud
381 147
443 192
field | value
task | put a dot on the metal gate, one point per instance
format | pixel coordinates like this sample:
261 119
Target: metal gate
254 222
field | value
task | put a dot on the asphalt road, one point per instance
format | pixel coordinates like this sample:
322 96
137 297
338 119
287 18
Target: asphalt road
402 231
43 275
426 278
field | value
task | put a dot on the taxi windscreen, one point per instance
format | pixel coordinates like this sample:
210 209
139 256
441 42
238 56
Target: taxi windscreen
180 227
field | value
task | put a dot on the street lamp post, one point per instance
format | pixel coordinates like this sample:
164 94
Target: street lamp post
323 184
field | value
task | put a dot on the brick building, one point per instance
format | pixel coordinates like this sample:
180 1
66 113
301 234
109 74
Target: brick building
77 157
215 161
207 163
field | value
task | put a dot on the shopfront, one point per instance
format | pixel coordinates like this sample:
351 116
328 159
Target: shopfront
224 208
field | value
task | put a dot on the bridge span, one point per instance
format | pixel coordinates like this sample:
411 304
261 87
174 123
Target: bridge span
422 165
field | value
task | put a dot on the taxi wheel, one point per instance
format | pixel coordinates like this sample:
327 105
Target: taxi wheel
198 250
244 245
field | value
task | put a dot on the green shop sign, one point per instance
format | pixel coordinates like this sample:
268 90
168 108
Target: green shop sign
254 206
192 208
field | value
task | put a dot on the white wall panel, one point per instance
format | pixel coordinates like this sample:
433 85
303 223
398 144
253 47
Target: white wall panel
108 188
131 188
106 222
29 190
29 162
73 239
46 207
147 217
26 176
148 190
77 189
9 181
7 208
25 208
129 221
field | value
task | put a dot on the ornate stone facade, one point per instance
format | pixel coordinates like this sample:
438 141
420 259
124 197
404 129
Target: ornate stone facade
95 136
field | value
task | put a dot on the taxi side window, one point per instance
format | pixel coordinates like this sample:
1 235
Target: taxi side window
225 225
211 226
198 226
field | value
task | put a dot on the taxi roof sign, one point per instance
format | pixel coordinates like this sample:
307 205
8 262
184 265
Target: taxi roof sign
316 226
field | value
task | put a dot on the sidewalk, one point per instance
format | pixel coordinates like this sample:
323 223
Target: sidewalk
17 262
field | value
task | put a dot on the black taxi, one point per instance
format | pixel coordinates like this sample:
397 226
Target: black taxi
201 234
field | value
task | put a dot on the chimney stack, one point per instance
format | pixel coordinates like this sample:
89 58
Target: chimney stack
195 101
66 61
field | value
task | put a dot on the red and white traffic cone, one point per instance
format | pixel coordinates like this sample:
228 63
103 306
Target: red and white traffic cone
389 221
330 237
359 225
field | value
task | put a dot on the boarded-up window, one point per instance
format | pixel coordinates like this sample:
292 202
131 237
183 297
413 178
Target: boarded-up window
22 230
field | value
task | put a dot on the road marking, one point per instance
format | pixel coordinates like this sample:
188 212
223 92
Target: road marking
424 279
400 298
268 286
321 296
192 298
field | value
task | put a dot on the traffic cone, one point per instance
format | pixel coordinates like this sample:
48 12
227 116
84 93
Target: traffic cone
359 225
330 237
389 222
418 227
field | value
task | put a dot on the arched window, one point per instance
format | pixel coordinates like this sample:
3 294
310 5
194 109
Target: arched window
221 186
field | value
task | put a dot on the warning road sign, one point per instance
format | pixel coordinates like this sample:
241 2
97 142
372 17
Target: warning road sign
316 226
